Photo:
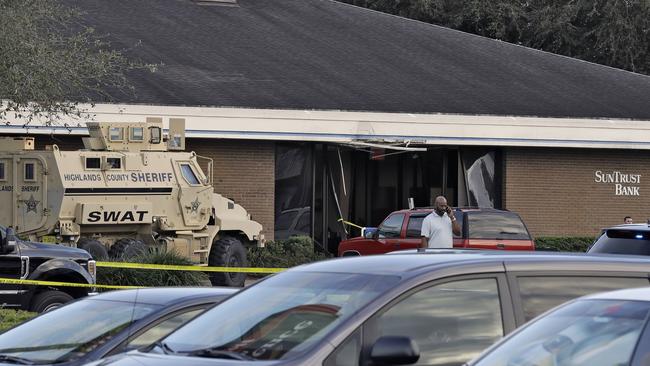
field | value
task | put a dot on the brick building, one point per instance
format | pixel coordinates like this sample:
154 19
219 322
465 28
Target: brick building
315 111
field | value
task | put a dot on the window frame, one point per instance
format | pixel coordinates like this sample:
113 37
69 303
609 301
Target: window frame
513 282
401 227
99 159
188 163
3 170
109 167
369 327
124 341
33 164
132 136
411 216
110 134
155 138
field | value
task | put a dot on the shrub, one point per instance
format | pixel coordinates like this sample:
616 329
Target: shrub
152 278
11 317
287 253
563 244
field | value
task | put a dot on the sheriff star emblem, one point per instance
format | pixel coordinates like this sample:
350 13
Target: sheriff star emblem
195 205
31 204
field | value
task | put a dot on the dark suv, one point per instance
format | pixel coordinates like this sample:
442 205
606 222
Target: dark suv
481 228
46 262
623 239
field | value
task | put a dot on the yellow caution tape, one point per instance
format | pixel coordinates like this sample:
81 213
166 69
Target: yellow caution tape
65 284
168 267
350 223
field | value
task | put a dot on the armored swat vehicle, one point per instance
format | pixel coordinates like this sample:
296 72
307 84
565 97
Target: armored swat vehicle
129 190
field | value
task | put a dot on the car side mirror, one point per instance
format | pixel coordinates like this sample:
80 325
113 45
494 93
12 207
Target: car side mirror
394 350
9 242
368 232
375 234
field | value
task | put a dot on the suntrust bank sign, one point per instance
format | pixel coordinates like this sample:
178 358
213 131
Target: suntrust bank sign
624 184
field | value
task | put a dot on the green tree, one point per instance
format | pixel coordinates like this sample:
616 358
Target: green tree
609 32
51 62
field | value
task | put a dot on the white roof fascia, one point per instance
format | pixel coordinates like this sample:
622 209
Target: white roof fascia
345 127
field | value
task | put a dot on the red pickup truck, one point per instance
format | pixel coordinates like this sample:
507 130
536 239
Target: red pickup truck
481 228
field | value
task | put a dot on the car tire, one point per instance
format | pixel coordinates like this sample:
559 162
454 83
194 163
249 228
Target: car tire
227 251
96 249
126 248
49 300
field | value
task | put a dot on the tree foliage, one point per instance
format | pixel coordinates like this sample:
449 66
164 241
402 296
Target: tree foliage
51 62
609 32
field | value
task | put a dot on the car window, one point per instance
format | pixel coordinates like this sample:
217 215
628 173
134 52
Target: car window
392 226
80 327
300 310
539 294
163 328
451 323
414 228
496 225
348 353
586 332
623 242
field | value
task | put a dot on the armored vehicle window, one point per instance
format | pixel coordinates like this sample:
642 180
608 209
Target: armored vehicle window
29 172
154 133
93 163
116 133
2 171
137 134
189 175
114 163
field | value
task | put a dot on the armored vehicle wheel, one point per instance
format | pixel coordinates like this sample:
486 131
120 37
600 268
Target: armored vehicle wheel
227 251
127 248
94 247
49 300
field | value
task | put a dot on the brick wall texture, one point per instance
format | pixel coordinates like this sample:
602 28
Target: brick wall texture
555 192
244 171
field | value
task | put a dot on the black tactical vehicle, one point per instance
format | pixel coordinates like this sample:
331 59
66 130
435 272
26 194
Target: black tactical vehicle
45 262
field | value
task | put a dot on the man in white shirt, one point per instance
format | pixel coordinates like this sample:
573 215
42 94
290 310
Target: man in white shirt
439 226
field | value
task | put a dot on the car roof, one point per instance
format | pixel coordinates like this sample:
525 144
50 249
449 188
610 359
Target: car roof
634 294
462 209
410 263
164 295
635 227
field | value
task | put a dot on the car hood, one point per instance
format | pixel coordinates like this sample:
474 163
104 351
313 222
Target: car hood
52 251
136 358
355 240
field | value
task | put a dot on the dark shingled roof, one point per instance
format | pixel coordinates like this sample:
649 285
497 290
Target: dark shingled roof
321 54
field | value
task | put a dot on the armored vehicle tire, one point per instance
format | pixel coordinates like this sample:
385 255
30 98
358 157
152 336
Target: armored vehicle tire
127 248
227 251
49 300
94 247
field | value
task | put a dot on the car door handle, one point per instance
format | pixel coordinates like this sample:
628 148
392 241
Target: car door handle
501 246
24 267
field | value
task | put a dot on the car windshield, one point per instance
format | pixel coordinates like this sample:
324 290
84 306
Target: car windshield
623 242
281 316
71 331
587 332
